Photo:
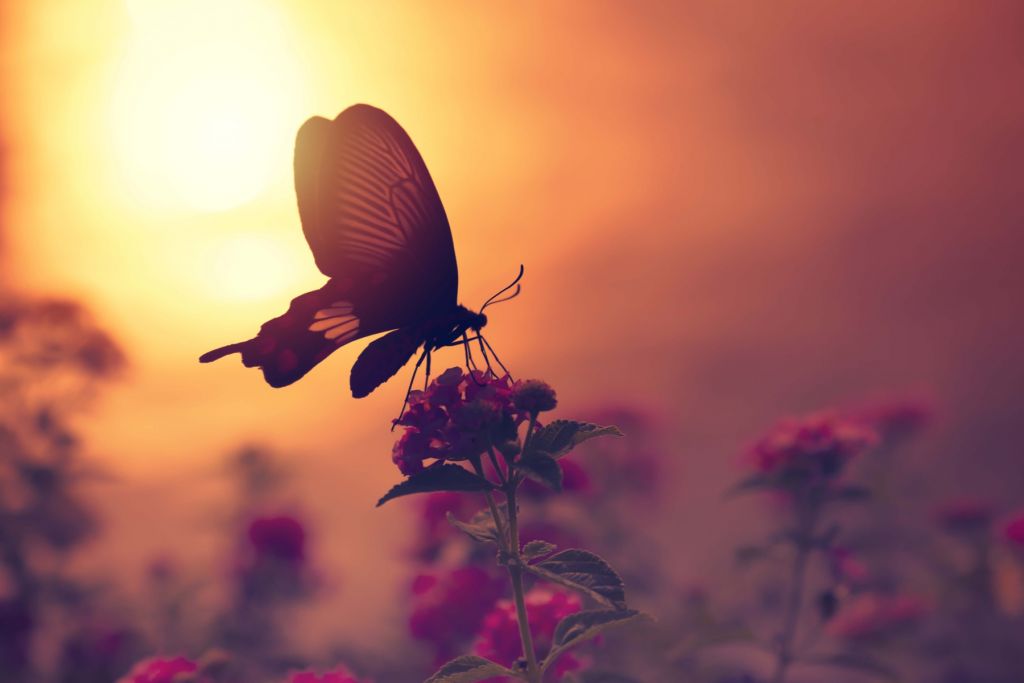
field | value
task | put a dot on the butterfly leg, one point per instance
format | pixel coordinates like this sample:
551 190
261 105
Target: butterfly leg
405 402
483 352
426 380
496 359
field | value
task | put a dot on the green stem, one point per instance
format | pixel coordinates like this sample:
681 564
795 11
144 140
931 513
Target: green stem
515 572
796 590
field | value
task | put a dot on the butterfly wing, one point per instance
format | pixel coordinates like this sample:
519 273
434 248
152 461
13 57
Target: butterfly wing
382 358
371 213
376 226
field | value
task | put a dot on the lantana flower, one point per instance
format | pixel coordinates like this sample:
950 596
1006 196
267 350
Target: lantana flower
814 448
458 417
159 670
873 615
449 607
499 636
338 675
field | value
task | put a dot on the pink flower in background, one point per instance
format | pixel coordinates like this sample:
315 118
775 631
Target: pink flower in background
544 530
1013 529
896 419
963 515
846 567
434 529
280 538
159 670
338 675
459 416
574 480
499 636
449 607
815 446
870 615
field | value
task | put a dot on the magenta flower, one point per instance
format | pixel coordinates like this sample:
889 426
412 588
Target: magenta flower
159 670
896 419
963 515
338 675
532 396
872 615
448 608
280 538
499 637
575 479
1013 529
434 528
846 567
815 447
458 417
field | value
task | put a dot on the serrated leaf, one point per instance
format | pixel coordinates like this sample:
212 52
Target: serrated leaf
582 626
542 468
438 477
484 532
583 571
561 436
535 549
855 662
468 669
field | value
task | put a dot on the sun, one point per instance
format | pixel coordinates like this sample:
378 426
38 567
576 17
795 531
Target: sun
206 102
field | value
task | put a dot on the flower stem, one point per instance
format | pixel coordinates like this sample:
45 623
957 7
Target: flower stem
515 572
786 654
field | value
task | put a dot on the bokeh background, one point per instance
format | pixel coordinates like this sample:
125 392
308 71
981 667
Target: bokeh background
728 212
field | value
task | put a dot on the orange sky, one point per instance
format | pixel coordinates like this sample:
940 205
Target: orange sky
728 210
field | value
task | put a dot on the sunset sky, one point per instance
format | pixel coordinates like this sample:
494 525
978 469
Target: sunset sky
727 212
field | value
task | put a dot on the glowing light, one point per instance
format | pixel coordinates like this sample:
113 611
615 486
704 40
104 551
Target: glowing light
251 266
207 102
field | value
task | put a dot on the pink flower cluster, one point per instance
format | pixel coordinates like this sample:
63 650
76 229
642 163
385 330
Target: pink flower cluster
869 615
281 538
1013 530
449 607
457 417
159 670
339 675
814 447
499 636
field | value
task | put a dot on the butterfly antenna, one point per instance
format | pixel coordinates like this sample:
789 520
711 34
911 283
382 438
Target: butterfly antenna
511 296
505 289
496 358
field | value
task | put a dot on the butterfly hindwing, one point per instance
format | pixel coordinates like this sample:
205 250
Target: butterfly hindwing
382 358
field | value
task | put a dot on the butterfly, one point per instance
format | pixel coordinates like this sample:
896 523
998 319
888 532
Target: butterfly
378 231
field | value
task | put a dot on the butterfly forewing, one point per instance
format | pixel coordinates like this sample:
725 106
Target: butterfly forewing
370 212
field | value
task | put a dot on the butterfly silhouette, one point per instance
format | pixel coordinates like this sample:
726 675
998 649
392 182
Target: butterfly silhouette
377 229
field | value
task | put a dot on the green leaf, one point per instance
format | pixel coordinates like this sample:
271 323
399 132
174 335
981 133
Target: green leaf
438 477
480 528
561 436
585 572
535 549
855 662
582 626
468 669
541 467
